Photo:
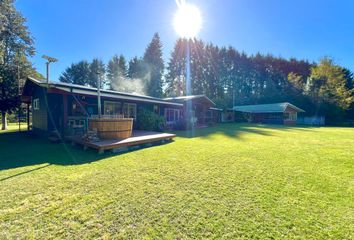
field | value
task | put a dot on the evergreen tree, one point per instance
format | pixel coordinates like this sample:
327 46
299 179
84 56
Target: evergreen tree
77 73
154 62
136 68
16 44
123 66
116 70
198 66
175 78
97 69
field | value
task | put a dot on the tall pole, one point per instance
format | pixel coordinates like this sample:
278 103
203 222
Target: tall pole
49 60
19 98
233 97
99 95
47 72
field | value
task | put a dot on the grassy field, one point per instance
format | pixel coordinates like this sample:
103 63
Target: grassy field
230 181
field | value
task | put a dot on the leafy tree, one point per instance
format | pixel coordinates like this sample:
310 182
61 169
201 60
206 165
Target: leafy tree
327 86
154 62
328 83
16 44
297 81
77 73
97 69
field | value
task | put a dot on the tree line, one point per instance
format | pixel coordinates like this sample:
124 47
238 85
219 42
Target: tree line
228 77
142 75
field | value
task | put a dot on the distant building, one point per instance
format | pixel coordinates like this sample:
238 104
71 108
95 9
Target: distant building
275 113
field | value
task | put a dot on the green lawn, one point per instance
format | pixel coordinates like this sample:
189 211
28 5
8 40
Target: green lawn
230 181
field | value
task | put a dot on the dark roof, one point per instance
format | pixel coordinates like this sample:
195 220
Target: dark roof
267 108
79 89
182 99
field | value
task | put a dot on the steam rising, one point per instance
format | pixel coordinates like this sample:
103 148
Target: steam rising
131 85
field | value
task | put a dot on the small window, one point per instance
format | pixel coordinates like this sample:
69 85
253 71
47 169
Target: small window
112 108
36 104
129 110
157 109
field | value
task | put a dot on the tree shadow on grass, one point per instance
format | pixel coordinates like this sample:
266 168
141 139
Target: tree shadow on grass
235 130
19 149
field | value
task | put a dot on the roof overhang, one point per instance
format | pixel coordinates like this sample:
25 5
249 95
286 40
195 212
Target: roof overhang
89 91
115 96
294 107
216 109
264 108
190 98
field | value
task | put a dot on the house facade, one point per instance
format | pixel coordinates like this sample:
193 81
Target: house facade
66 107
275 113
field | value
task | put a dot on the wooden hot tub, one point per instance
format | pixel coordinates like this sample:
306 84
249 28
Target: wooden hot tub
112 128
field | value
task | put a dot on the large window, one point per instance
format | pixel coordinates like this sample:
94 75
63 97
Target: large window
129 110
36 104
112 108
172 115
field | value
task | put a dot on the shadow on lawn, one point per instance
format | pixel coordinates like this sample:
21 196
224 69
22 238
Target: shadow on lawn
19 149
235 130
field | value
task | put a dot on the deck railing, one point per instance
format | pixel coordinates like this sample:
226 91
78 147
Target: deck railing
107 116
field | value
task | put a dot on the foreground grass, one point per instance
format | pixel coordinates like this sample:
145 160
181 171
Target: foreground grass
231 181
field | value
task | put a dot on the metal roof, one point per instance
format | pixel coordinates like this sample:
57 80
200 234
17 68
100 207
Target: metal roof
267 108
79 89
186 98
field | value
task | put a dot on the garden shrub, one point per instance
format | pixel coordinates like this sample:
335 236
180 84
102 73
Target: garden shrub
150 121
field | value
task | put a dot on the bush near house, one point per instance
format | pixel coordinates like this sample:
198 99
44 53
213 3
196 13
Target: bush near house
150 121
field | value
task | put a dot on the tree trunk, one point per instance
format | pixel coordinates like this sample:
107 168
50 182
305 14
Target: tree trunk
3 120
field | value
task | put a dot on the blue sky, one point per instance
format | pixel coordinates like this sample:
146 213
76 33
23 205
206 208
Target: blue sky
72 30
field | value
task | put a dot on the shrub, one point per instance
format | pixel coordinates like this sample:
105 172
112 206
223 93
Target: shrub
150 121
181 124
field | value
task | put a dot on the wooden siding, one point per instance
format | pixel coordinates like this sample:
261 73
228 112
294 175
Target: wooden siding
40 116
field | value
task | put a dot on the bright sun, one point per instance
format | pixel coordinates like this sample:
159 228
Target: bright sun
187 20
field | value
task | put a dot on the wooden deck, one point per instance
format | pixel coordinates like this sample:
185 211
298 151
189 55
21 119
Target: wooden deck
138 138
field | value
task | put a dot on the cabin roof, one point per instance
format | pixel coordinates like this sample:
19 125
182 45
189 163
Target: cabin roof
267 108
85 90
182 99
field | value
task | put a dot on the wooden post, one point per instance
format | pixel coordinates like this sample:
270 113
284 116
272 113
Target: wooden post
28 116
19 118
65 110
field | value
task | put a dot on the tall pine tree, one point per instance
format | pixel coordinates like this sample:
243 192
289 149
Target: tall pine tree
136 68
97 70
116 71
175 78
154 62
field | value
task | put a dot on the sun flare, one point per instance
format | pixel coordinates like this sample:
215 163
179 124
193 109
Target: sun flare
187 20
